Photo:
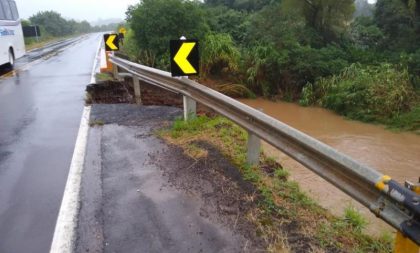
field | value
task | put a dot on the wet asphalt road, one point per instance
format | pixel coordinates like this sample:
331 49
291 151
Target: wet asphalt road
128 204
40 111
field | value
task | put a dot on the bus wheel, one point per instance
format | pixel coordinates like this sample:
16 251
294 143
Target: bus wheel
11 58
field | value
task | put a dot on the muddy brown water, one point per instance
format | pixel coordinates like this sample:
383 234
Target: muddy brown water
392 153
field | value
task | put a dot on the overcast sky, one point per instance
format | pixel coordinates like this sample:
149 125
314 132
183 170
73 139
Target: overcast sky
90 10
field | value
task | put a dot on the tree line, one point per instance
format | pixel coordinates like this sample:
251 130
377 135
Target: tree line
52 24
300 50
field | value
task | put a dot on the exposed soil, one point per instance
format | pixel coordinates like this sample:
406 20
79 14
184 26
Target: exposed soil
109 92
122 92
226 197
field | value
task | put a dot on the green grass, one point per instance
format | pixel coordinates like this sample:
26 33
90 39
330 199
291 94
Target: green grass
281 200
104 77
96 122
348 229
32 43
354 219
409 121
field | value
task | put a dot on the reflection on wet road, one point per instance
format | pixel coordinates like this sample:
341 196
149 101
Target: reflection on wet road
41 103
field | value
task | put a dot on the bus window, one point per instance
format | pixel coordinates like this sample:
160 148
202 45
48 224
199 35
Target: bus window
7 10
2 15
13 7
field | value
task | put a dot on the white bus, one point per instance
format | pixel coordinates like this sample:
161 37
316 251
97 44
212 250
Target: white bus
12 44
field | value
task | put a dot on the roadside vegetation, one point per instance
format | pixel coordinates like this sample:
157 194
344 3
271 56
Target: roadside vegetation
284 214
54 27
307 51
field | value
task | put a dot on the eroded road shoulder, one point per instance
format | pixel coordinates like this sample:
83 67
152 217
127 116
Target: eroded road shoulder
139 193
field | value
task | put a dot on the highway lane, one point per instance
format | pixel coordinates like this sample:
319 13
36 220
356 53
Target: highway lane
40 111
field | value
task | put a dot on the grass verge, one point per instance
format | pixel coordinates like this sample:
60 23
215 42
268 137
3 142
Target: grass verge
284 212
32 43
409 121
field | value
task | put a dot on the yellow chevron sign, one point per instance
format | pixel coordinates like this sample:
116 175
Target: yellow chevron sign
122 30
184 57
111 42
181 58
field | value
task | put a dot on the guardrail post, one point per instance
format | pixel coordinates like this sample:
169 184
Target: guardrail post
253 149
136 85
190 108
115 71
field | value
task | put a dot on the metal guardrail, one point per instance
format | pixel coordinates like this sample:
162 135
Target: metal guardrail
387 199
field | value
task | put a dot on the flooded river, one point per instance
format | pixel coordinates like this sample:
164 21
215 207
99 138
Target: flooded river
394 154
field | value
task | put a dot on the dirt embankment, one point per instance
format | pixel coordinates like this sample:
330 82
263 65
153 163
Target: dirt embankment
115 92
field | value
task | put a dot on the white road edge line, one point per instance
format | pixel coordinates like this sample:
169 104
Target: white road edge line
95 62
65 229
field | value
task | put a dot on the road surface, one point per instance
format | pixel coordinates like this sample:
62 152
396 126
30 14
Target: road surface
40 111
140 194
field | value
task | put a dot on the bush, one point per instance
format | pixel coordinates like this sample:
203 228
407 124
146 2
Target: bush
218 54
262 69
369 93
413 64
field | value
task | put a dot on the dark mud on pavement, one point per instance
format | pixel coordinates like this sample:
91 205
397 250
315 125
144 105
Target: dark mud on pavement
226 197
140 194
134 115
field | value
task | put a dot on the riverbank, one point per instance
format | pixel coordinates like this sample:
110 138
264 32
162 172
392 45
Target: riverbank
383 94
288 220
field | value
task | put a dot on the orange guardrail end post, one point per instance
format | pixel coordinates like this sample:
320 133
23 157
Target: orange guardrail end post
405 245
106 65
402 243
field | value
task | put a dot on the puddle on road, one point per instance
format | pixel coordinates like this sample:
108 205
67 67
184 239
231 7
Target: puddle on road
394 154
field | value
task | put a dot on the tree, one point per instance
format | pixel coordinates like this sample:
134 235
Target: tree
363 8
156 22
222 19
365 33
400 21
328 17
83 27
247 5
52 21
